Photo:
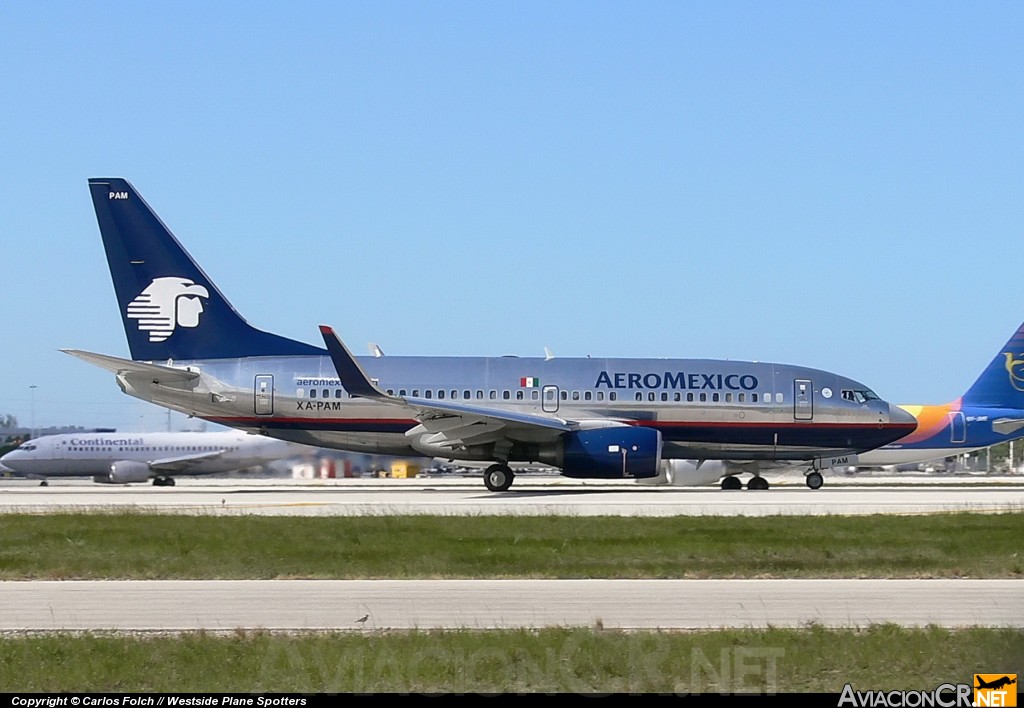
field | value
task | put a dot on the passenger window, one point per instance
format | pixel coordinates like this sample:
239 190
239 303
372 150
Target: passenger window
479 395
612 395
465 395
312 393
639 396
519 395
535 394
587 395
564 395
664 396
728 398
415 393
300 393
703 397
337 393
714 397
505 395
440 393
600 395
428 393
455 394
778 398
753 398
689 397
575 395
650 396
327 394
401 392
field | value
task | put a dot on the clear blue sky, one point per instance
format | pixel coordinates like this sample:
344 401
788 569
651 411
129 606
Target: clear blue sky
839 185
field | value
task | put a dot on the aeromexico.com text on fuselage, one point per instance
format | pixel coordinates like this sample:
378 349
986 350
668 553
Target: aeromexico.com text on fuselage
673 381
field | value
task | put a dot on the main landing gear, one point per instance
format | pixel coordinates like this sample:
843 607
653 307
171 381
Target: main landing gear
814 481
163 481
498 478
733 482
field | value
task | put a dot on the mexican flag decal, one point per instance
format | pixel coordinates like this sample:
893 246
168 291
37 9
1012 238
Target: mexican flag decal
529 382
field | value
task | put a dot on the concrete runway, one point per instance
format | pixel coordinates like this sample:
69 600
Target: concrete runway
536 495
485 604
317 605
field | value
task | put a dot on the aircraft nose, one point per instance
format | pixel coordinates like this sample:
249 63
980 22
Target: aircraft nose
900 417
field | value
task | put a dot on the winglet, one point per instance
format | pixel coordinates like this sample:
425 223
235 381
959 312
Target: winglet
352 376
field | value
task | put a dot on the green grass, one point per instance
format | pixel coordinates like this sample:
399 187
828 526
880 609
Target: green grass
883 657
104 546
562 660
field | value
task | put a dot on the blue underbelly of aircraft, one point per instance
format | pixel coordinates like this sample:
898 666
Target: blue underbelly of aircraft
781 435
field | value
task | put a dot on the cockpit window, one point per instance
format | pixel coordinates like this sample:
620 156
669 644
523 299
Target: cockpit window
27 446
859 396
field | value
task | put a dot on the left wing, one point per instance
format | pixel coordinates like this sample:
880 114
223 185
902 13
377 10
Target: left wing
445 423
183 463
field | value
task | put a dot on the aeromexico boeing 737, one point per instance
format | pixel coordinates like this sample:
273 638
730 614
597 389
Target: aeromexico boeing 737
990 412
122 458
687 421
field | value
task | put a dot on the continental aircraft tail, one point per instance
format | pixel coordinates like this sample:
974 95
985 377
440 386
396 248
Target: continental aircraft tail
169 307
1001 384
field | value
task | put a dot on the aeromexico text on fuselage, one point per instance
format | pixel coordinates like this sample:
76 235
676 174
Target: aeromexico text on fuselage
679 380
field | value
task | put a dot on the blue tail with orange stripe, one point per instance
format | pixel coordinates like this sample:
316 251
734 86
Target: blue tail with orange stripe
1001 384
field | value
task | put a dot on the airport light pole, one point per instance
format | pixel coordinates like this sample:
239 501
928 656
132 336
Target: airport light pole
32 398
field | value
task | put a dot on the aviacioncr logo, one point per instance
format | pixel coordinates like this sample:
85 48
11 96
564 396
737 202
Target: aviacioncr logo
168 303
1015 367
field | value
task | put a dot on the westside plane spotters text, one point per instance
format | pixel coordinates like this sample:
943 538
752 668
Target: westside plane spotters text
681 421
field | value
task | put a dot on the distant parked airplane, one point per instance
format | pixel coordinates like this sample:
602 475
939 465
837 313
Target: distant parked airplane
121 458
589 417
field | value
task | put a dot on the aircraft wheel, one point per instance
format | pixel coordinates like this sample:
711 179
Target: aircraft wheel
498 478
732 482
757 483
815 480
44 483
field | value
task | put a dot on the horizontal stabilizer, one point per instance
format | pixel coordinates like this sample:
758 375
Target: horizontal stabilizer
160 374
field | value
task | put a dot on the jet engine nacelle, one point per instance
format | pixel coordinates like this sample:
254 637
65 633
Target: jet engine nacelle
612 453
125 471
688 473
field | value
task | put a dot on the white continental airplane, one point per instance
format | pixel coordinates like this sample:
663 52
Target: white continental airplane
688 421
122 458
